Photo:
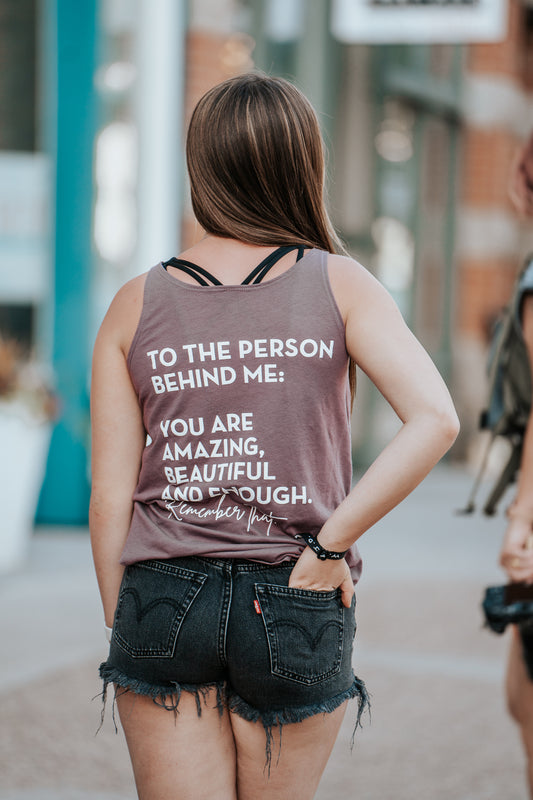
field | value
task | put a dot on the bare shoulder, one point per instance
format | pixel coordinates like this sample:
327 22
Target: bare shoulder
122 318
354 287
346 268
129 296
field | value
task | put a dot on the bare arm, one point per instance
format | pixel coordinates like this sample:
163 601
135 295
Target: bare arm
521 179
515 556
118 438
383 346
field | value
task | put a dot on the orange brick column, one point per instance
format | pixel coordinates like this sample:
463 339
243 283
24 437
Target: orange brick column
214 53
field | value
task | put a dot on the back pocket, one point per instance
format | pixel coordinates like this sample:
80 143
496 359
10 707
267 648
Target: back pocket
154 598
305 632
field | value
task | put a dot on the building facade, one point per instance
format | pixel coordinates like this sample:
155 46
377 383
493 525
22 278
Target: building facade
93 189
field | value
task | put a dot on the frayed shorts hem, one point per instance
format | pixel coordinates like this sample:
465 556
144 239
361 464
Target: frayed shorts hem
168 697
291 714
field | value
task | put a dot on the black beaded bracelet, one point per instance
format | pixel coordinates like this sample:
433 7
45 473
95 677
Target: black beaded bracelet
321 553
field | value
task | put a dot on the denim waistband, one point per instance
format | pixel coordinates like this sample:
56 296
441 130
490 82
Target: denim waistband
230 566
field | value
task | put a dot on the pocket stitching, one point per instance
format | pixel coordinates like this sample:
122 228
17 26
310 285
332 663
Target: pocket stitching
263 593
196 580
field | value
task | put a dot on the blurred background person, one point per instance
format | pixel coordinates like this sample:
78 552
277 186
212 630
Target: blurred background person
517 550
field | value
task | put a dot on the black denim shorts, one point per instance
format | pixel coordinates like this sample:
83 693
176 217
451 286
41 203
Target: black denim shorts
274 653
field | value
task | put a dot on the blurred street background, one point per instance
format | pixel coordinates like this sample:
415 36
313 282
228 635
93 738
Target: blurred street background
423 106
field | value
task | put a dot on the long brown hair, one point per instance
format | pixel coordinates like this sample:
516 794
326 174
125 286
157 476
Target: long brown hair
256 165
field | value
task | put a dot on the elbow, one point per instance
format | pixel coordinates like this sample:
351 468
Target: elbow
448 425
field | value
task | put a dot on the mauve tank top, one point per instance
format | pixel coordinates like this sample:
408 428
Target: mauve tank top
245 400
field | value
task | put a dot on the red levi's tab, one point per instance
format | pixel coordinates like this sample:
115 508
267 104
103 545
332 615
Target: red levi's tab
257 607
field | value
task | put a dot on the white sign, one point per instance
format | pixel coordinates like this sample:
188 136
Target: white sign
419 21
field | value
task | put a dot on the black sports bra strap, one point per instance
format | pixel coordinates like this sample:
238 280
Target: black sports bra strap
259 272
193 270
255 276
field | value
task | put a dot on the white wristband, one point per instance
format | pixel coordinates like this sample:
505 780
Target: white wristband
108 633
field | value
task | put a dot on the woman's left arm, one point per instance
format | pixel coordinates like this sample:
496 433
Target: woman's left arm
118 439
382 345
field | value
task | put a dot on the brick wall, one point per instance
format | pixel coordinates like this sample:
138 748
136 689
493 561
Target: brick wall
214 53
491 240
489 145
507 57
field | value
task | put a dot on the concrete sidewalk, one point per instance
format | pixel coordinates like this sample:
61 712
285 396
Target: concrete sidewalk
439 730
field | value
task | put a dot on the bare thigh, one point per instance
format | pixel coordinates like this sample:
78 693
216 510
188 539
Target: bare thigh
179 756
296 767
519 687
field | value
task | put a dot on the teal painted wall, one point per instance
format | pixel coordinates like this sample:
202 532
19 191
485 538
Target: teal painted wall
71 122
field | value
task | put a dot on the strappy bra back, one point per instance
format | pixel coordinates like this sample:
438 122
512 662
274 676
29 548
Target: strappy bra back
205 278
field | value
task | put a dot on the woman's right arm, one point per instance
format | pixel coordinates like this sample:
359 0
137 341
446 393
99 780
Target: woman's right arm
382 345
118 439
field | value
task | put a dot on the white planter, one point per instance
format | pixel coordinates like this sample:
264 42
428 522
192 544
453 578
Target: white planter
24 446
